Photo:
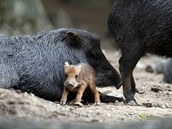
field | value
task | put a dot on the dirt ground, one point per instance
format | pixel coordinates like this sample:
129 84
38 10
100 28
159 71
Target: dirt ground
156 101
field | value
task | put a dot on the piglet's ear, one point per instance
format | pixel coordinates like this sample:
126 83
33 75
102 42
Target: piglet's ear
78 69
66 64
73 38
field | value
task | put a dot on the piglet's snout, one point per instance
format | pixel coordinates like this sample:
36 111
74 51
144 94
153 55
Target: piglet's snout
69 84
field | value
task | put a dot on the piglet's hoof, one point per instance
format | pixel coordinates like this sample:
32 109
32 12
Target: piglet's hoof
62 102
97 103
78 104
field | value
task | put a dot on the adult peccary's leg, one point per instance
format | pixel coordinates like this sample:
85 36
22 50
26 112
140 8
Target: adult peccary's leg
127 63
167 71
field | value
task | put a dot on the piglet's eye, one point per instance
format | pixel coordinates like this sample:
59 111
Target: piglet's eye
76 76
66 75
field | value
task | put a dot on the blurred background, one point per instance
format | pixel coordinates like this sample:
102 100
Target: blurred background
30 16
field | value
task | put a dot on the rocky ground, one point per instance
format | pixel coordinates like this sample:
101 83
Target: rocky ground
156 102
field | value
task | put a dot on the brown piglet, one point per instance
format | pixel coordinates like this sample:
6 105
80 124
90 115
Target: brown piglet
77 79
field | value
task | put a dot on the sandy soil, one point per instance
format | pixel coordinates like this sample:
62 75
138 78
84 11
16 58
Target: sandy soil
156 102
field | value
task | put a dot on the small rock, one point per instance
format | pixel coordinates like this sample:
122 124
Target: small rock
2 96
25 94
156 89
11 102
148 105
167 105
160 105
108 115
32 94
95 120
163 106
169 93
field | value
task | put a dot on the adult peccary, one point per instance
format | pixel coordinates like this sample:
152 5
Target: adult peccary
162 66
35 63
140 26
167 71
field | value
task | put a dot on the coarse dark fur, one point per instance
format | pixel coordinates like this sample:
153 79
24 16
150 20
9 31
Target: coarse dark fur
34 63
138 27
167 71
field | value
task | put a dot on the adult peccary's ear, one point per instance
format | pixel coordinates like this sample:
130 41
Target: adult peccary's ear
73 38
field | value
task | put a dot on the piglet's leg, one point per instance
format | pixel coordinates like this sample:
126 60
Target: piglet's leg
96 93
79 95
64 97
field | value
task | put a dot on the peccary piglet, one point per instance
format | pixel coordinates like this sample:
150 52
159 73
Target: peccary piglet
78 78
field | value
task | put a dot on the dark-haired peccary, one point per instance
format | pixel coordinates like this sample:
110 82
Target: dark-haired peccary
167 71
35 63
138 27
164 67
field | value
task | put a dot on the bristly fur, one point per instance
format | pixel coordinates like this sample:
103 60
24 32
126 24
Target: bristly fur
34 63
140 27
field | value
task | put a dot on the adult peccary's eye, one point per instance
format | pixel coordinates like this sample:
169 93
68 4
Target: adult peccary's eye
95 55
